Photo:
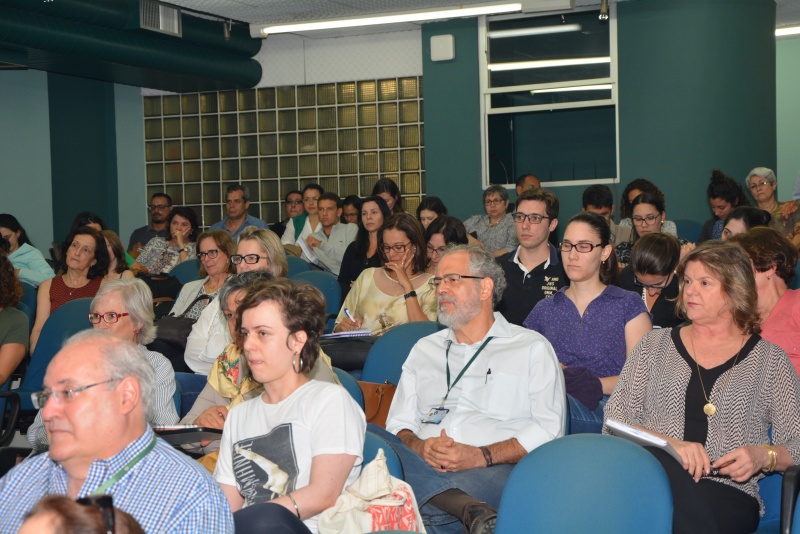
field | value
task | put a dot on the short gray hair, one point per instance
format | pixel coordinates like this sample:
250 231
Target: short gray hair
240 282
499 189
482 263
122 359
138 301
761 172
239 187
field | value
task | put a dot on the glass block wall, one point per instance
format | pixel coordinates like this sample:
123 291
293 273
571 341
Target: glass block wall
343 136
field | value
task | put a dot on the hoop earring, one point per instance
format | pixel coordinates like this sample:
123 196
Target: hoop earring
294 363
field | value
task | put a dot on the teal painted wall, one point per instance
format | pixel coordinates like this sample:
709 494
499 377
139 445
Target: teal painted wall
131 187
25 153
788 116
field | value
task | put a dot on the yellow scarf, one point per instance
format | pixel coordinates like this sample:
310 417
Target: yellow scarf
224 376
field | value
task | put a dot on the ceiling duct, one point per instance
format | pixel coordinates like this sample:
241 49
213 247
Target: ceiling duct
160 17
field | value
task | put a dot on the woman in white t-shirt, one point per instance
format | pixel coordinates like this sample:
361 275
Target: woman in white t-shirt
287 455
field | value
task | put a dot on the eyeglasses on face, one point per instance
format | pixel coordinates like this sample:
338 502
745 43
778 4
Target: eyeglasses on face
647 220
436 251
212 253
534 218
760 183
293 202
236 259
63 396
566 246
451 278
397 248
109 317
105 505
662 285
493 201
159 207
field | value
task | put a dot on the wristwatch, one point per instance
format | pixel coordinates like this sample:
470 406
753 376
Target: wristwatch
410 294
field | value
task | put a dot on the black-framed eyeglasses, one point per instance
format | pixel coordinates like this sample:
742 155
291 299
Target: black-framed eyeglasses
534 218
566 246
108 317
650 219
660 286
250 259
493 201
436 251
105 505
451 278
159 207
212 253
397 248
40 398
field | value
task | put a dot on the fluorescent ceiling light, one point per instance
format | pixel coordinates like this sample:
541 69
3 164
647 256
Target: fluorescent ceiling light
388 19
548 63
792 30
598 87
543 30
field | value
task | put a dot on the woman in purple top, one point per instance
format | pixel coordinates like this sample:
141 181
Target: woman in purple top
592 324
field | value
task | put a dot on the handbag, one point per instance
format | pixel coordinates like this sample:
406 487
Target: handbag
175 329
377 400
376 501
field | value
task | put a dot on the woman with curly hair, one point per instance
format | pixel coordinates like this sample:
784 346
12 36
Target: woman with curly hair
13 323
724 194
162 255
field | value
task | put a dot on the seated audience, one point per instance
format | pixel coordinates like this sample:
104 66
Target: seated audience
214 250
363 253
305 224
654 258
83 267
258 250
95 514
713 390
763 185
524 183
237 202
159 208
117 264
14 324
161 255
286 456
533 271
29 264
774 260
390 193
124 309
293 203
598 199
441 233
429 208
495 229
351 209
648 217
458 438
330 241
724 194
97 397
633 190
743 218
592 324
396 293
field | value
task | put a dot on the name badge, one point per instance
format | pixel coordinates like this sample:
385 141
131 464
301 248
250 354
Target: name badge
435 416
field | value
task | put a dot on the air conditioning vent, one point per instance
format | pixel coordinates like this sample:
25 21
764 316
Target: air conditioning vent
160 17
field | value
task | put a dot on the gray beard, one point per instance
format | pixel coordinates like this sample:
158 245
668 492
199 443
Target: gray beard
461 314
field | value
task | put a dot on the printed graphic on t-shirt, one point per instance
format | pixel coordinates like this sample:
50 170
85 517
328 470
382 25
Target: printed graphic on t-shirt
551 285
266 466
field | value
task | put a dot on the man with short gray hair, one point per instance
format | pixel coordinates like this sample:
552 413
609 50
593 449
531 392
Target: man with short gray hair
473 399
95 403
237 202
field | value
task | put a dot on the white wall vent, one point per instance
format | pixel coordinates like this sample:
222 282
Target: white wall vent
160 17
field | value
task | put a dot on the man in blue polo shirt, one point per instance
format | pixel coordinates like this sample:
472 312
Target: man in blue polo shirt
237 201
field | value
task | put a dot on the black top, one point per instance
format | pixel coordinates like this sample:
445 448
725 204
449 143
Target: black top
280 228
707 231
143 235
663 311
353 266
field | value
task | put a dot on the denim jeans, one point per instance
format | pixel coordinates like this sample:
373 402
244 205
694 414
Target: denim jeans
485 484
582 419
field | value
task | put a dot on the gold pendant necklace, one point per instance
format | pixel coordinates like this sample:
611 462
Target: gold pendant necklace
710 408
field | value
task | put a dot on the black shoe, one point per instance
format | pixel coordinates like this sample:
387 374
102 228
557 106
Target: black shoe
479 518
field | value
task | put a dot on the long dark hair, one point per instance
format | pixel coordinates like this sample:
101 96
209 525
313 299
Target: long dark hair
189 215
9 221
85 218
409 225
645 186
361 246
608 269
387 185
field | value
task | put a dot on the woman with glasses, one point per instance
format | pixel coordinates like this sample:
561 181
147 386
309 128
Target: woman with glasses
496 230
762 184
633 190
651 273
124 308
259 249
592 324
214 250
362 253
351 209
442 232
396 293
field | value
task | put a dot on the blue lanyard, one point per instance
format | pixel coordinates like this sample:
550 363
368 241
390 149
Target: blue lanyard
447 361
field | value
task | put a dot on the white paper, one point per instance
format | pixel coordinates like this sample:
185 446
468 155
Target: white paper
640 437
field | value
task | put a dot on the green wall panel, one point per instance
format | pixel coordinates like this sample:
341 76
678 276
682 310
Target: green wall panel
788 117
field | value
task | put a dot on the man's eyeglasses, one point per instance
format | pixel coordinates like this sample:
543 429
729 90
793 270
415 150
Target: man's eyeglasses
397 248
760 183
534 218
566 246
649 219
451 278
213 253
108 317
293 202
40 398
159 207
105 505
250 259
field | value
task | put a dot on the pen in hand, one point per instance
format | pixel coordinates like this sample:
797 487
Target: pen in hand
349 315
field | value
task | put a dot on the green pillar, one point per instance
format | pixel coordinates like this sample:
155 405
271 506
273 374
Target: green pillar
696 92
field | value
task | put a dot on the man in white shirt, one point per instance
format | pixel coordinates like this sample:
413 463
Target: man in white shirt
329 242
473 399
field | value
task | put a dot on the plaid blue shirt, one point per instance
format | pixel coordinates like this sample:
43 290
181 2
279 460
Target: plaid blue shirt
164 492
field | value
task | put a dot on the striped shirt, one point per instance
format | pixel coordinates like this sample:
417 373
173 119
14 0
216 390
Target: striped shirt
164 492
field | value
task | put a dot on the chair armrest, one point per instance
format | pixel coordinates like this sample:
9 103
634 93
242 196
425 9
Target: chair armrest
791 486
7 431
